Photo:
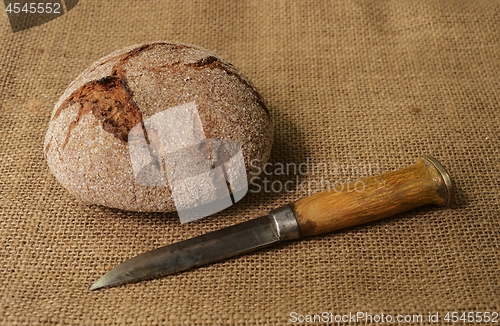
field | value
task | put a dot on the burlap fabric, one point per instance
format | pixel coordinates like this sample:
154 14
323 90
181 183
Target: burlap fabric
363 87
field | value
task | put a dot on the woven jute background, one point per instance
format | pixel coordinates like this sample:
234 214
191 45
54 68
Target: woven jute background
363 87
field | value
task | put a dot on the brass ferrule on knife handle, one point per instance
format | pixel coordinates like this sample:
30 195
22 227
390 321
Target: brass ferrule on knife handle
366 200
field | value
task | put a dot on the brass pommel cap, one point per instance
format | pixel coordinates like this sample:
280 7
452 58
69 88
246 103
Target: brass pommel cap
448 191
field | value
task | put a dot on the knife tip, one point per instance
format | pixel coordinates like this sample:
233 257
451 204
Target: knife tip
95 286
107 280
98 284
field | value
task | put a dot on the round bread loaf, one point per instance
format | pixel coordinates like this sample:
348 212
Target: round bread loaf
89 139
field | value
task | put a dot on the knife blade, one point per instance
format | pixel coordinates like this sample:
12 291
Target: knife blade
426 182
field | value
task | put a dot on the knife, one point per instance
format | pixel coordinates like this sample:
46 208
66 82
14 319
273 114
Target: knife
373 198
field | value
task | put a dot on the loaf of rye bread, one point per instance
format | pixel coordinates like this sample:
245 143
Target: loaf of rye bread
86 145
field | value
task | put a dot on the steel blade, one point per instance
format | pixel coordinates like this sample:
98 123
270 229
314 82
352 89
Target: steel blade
208 248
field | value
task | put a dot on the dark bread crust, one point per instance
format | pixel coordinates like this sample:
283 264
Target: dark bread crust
86 144
212 62
110 99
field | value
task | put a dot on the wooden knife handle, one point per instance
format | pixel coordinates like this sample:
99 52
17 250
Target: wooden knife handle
373 198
